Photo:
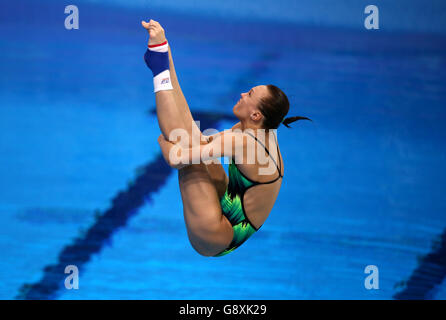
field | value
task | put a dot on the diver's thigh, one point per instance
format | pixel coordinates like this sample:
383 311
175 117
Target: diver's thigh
208 230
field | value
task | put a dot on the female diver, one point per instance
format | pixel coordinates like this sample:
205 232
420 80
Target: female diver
220 212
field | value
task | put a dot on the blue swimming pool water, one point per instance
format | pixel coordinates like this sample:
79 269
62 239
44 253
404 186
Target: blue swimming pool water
83 183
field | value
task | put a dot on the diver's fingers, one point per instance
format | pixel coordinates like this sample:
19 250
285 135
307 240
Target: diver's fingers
145 24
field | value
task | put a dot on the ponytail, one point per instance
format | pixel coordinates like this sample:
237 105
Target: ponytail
289 120
274 107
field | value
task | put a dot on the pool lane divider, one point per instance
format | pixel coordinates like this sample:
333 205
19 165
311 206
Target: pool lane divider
424 281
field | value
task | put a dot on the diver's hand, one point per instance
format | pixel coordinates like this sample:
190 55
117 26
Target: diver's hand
156 32
166 147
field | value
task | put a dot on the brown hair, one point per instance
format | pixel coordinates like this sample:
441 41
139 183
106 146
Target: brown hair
274 109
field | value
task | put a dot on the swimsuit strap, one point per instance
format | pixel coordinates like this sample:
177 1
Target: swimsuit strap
278 154
267 151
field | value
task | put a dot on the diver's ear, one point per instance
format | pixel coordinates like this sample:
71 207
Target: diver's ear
256 115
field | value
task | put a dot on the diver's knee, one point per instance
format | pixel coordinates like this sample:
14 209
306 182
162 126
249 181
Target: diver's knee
202 250
207 243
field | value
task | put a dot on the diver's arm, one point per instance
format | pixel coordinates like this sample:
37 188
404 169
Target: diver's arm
225 144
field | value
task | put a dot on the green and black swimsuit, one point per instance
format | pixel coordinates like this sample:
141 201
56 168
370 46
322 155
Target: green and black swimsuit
232 201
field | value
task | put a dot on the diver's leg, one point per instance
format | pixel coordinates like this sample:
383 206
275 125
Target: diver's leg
168 115
172 109
181 102
209 231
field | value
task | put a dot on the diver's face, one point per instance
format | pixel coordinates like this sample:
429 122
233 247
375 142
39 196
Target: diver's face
247 105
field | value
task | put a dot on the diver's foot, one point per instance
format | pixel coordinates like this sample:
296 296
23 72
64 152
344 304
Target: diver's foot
156 32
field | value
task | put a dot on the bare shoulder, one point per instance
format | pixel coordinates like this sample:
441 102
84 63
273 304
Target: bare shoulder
237 126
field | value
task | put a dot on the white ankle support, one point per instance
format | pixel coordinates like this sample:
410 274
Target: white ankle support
162 81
